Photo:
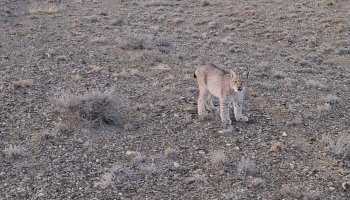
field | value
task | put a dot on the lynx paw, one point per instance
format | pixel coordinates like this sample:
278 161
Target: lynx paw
242 119
204 116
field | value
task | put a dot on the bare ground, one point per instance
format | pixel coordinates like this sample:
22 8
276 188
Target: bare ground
296 145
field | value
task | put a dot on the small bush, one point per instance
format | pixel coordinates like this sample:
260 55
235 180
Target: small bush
94 111
133 43
14 152
340 146
245 166
315 84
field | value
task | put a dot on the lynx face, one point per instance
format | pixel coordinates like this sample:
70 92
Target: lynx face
236 82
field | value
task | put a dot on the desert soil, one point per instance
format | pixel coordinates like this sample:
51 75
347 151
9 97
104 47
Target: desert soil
295 145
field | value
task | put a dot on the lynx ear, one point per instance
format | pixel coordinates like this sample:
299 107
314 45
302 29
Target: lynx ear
233 74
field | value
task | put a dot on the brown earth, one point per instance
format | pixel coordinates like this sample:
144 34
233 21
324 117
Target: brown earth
295 146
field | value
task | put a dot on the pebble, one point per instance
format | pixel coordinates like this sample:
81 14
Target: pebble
201 152
236 148
40 194
131 153
176 164
284 134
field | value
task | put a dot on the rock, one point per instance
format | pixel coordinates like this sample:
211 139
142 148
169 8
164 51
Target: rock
201 152
284 134
346 186
130 153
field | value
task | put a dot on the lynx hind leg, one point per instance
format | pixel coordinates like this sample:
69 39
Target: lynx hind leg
237 109
210 106
202 98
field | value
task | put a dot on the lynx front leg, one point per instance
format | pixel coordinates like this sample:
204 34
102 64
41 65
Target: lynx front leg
237 106
225 113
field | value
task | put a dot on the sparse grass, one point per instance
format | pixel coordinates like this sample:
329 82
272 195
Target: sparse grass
275 147
157 3
152 56
44 9
104 180
43 136
163 42
22 83
267 85
295 122
196 178
340 146
289 82
133 43
14 151
219 159
119 22
171 153
290 191
257 181
146 163
94 111
278 74
330 98
323 108
315 84
245 167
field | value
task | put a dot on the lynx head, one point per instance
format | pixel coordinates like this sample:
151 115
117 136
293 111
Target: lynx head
236 82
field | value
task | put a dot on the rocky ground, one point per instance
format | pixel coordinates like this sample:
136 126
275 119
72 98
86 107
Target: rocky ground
55 53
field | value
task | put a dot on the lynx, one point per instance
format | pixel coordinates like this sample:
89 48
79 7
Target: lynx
227 86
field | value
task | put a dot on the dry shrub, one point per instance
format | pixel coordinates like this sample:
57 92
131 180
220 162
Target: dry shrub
171 153
133 43
315 84
196 178
94 111
104 180
275 147
245 166
157 3
278 74
44 136
330 98
290 191
150 164
152 56
14 152
257 181
324 108
340 146
219 160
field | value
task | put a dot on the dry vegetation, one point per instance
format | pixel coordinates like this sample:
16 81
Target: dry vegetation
98 99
